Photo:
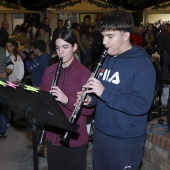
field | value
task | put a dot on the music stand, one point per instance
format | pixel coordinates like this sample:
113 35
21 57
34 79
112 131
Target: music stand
39 108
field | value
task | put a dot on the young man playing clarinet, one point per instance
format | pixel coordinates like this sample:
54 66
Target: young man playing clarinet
122 95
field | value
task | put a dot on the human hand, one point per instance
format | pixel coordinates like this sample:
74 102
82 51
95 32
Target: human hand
94 86
3 75
16 82
59 95
87 100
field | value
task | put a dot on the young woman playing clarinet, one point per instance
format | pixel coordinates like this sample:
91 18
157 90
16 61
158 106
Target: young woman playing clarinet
73 75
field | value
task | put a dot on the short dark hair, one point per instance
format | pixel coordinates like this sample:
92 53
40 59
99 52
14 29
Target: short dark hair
60 20
68 36
40 44
116 20
42 27
75 25
46 19
87 16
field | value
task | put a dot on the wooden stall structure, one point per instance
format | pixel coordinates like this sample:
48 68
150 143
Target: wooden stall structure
156 13
14 16
76 10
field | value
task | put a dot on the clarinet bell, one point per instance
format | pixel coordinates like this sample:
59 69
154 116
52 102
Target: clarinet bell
65 137
42 138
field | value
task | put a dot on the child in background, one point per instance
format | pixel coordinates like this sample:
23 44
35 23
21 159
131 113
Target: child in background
18 72
39 63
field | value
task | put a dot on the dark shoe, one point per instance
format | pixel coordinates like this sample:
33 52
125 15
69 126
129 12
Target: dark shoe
3 135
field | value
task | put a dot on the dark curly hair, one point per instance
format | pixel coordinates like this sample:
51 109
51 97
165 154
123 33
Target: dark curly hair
14 43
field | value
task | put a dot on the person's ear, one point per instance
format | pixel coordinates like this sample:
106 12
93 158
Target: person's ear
75 47
126 36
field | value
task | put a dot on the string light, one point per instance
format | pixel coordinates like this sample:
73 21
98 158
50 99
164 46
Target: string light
164 6
72 3
9 5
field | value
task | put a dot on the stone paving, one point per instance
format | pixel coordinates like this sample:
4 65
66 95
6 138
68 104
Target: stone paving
16 152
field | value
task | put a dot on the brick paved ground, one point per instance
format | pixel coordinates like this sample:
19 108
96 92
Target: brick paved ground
16 152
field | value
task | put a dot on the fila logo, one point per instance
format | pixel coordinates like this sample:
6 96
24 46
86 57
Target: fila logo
126 167
114 78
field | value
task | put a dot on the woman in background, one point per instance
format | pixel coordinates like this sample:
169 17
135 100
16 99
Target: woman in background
75 27
18 72
44 36
86 41
149 39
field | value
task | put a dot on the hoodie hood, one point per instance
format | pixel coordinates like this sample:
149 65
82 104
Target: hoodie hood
135 51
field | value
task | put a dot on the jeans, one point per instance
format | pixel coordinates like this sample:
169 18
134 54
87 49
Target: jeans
86 58
165 57
3 115
3 122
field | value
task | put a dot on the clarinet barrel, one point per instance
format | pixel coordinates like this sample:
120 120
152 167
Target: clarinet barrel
66 136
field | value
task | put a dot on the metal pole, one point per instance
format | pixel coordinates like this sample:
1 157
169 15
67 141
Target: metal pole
34 142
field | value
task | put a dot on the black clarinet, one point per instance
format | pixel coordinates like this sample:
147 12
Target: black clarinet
66 136
54 83
57 74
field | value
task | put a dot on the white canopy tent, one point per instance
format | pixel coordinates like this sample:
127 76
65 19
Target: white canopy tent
83 7
13 16
151 15
77 11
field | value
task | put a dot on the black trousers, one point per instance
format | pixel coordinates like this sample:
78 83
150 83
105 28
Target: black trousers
112 154
65 158
165 58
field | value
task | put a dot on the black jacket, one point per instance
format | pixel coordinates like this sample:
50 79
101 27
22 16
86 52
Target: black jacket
3 37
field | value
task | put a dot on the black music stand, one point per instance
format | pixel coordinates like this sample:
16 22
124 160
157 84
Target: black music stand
39 108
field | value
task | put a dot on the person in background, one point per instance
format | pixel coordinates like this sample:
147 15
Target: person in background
4 33
135 37
149 39
97 46
27 76
56 31
18 72
24 26
34 24
39 63
61 155
44 36
6 68
122 94
86 22
67 24
29 33
19 36
46 25
75 27
86 41
164 50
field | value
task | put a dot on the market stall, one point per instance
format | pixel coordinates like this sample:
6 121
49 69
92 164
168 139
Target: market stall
156 13
76 10
14 14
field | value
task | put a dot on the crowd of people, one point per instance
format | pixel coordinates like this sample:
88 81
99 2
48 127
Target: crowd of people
121 96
